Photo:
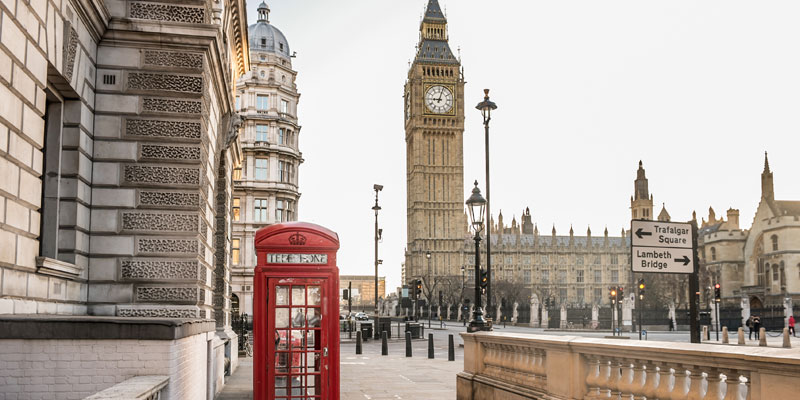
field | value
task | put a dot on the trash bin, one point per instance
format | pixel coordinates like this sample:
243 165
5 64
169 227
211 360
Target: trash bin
366 330
415 328
383 324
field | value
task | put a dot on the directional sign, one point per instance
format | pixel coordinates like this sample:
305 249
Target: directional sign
661 247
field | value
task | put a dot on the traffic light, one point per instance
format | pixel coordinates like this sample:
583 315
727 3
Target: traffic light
484 279
620 293
717 294
641 289
418 288
345 294
613 295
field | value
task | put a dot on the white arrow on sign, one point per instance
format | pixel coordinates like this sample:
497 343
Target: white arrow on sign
661 234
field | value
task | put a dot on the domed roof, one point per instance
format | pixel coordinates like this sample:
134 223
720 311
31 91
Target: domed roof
265 37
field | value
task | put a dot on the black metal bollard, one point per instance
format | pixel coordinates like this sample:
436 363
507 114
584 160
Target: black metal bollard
451 349
384 344
408 344
358 342
430 345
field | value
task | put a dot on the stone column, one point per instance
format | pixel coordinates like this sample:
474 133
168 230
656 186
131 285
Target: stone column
672 316
787 308
545 318
563 316
498 315
627 314
595 316
745 303
534 323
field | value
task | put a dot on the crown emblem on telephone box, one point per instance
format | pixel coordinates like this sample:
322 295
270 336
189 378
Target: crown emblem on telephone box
297 239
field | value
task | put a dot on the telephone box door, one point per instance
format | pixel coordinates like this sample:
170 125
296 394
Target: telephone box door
300 351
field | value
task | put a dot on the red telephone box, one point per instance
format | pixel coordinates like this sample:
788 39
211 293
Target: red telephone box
296 313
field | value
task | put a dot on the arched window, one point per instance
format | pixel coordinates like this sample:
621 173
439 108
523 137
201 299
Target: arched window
774 242
713 254
775 272
763 269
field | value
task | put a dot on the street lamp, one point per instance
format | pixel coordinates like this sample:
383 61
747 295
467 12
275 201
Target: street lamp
476 205
428 284
377 208
486 107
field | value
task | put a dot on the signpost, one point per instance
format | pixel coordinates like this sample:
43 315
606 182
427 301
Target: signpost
668 248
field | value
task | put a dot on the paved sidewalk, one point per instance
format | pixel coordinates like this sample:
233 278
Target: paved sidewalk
240 385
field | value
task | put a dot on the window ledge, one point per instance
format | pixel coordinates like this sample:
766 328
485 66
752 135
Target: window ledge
53 267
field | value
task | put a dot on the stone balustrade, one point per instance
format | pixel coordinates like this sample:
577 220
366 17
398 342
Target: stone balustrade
514 366
136 388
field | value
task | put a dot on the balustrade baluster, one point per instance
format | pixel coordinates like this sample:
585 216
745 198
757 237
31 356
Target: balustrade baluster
665 382
714 389
638 381
616 377
592 377
696 384
604 380
541 366
625 386
651 385
680 384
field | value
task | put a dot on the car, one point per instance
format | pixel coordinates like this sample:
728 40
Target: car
360 316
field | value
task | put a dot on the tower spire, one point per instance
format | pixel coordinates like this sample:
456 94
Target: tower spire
767 188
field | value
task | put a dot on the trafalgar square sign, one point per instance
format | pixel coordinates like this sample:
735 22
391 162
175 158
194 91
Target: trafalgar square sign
662 247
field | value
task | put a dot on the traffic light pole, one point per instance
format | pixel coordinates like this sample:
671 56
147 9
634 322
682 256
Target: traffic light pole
716 303
694 291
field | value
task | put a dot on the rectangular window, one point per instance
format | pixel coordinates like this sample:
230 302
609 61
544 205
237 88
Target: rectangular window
471 260
261 169
545 276
260 210
237 211
509 260
281 136
562 294
581 297
526 260
545 260
562 260
284 210
285 170
562 276
580 276
235 251
598 295
284 106
597 260
598 276
526 276
614 276
262 102
614 259
261 133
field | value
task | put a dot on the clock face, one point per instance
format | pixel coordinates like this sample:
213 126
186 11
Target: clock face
439 99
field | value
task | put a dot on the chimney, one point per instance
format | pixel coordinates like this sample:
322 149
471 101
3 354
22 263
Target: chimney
733 219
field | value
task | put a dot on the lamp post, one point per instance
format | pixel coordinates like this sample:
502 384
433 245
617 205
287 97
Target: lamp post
476 205
428 284
486 107
377 208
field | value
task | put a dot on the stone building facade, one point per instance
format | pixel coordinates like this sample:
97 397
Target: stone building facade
434 127
118 136
760 266
266 184
364 287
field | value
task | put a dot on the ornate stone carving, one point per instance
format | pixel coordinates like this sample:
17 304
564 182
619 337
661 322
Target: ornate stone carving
160 270
154 104
162 175
71 49
167 82
160 222
152 198
166 129
187 153
167 246
168 12
158 312
166 294
173 59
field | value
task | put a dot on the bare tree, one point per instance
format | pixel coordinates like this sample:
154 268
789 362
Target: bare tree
512 291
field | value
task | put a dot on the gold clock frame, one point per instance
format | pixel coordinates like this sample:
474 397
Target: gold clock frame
426 86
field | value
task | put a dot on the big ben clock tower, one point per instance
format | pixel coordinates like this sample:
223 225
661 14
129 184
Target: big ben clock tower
434 125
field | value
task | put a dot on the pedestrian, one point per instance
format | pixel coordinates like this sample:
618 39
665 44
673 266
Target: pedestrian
791 325
749 325
757 325
671 325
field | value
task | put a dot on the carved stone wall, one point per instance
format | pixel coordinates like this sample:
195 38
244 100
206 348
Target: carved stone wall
164 129
161 175
69 54
169 199
155 104
182 153
165 82
160 222
161 270
160 246
173 59
159 312
167 294
168 12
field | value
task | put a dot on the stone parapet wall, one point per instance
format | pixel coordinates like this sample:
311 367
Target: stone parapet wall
519 366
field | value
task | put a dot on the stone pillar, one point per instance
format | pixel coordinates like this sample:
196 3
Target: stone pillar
627 314
498 315
545 318
672 316
745 303
595 316
787 309
712 307
515 313
439 311
564 322
534 322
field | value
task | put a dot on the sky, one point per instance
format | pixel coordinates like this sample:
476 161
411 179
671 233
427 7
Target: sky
697 90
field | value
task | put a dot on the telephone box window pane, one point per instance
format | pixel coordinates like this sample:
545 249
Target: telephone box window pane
310 341
281 317
297 340
314 295
298 318
280 386
283 343
298 295
282 295
280 363
314 317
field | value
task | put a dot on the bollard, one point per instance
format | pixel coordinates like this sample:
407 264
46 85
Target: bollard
740 334
787 343
451 349
408 344
430 345
358 342
705 333
724 335
384 344
762 337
